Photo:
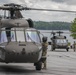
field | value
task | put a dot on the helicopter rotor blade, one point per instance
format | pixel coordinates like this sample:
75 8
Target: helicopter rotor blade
61 32
49 10
15 7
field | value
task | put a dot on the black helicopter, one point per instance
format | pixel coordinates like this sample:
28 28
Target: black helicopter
20 42
59 41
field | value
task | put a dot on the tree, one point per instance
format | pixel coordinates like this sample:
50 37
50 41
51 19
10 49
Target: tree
73 29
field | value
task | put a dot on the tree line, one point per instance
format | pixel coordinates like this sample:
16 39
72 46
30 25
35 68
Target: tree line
55 25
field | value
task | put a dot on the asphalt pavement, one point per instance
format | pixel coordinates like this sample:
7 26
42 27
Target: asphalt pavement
59 62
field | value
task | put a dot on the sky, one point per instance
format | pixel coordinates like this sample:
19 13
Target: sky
48 4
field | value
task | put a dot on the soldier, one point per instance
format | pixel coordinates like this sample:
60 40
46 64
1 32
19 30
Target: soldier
74 46
44 52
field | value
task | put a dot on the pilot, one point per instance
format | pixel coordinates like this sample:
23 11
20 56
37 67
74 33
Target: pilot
8 33
44 52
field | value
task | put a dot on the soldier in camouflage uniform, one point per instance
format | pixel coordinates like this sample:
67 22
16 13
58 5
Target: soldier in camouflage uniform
44 52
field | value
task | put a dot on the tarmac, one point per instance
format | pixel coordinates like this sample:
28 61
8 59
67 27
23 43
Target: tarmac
59 62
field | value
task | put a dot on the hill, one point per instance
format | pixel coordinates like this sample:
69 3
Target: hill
56 25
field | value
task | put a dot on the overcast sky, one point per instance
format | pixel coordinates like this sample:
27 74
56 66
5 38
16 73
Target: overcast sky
48 4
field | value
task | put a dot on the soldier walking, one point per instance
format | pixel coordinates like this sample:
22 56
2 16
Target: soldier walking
44 52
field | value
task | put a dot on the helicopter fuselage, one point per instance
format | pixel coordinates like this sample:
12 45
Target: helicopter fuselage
19 41
20 22
59 42
20 52
22 46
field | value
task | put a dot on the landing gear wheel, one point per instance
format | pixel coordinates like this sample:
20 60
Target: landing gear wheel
38 66
67 49
53 49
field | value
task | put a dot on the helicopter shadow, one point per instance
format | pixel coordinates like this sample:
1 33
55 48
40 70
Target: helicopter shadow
59 50
15 69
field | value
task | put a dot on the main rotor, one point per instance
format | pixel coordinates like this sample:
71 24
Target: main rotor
12 8
15 7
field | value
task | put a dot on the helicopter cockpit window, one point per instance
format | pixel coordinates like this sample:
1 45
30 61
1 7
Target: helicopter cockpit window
7 35
10 33
3 37
13 38
61 41
32 36
20 35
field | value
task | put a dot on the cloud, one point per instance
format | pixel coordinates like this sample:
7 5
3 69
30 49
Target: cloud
60 1
70 2
10 1
49 16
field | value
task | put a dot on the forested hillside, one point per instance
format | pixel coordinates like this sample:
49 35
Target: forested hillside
52 25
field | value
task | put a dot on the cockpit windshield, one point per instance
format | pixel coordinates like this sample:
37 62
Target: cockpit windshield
19 35
3 37
7 35
61 41
32 36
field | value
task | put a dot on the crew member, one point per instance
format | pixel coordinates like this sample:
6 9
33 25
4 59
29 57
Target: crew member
44 52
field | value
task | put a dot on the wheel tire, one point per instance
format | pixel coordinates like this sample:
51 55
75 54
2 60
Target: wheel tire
38 66
67 49
53 49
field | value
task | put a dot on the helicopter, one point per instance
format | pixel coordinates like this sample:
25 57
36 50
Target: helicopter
20 42
59 41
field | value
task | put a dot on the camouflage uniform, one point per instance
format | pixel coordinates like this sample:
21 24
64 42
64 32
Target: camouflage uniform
44 53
